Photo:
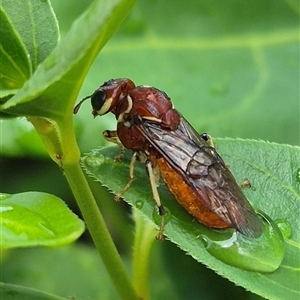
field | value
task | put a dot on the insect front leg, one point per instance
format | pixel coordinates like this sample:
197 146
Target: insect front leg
131 176
153 177
112 136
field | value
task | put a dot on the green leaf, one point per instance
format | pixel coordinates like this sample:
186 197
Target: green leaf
14 61
272 170
37 26
144 238
52 89
50 93
37 219
15 292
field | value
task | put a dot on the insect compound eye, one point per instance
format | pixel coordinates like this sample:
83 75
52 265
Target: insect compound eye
98 99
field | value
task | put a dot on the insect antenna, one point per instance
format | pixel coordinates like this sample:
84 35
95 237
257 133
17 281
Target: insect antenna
77 107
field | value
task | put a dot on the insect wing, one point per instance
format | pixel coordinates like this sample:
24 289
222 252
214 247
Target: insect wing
187 129
203 169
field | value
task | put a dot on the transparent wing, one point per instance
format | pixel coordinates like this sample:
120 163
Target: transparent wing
203 169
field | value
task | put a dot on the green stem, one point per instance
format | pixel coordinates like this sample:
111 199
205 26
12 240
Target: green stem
145 233
92 216
99 232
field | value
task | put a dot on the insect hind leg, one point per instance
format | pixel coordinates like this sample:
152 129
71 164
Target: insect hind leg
153 177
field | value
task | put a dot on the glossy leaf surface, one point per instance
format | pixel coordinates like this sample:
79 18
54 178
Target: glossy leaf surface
37 219
275 191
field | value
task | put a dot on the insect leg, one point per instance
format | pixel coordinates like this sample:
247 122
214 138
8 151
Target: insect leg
131 177
208 139
153 182
245 183
112 136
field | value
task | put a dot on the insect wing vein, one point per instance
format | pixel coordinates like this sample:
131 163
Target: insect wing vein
204 170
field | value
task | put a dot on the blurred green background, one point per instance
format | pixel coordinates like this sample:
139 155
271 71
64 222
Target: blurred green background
230 67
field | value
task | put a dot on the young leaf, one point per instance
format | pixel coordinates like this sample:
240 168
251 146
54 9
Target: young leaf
36 219
37 26
52 89
14 60
272 171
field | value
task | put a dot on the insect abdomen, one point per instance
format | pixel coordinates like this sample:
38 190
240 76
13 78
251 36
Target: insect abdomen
188 198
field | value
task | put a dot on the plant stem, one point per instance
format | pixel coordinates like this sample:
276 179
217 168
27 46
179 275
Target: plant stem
91 213
145 233
99 232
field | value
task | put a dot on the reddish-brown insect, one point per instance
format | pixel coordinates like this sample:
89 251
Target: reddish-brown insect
160 136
